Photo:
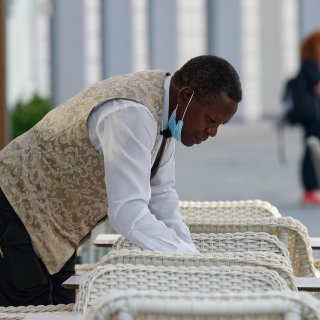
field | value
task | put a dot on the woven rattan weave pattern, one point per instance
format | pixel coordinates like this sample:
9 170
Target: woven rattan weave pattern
183 279
18 313
289 230
226 242
268 260
229 209
133 304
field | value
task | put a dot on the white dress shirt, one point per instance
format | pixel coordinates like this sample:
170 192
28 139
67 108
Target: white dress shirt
145 212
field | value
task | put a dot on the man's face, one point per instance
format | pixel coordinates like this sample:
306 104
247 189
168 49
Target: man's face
201 121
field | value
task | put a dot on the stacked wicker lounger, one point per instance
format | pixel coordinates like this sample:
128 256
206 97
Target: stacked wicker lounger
236 259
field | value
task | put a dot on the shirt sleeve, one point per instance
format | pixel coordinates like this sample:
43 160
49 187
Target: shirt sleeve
127 134
164 202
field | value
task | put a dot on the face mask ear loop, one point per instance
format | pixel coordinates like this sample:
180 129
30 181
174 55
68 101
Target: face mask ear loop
185 110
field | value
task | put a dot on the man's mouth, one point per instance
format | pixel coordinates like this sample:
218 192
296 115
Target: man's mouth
198 140
201 139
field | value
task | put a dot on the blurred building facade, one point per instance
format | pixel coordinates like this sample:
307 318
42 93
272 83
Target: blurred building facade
56 47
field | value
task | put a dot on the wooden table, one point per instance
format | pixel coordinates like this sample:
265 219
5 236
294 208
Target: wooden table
315 243
308 284
106 240
74 281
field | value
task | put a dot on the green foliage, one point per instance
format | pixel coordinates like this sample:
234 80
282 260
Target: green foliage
26 114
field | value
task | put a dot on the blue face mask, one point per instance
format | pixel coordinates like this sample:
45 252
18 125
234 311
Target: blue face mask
174 126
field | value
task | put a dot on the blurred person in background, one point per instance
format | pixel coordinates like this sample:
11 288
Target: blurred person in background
310 71
107 152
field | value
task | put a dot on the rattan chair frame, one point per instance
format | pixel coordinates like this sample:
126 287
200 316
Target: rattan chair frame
140 305
268 260
184 279
20 312
229 209
289 230
225 242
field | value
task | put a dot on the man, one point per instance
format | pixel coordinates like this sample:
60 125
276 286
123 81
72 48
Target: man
107 151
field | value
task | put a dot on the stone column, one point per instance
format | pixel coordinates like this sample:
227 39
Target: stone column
116 33
163 35
67 49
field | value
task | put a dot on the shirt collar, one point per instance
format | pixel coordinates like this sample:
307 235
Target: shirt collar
165 114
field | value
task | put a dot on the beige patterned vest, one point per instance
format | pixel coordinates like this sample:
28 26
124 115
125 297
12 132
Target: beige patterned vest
53 177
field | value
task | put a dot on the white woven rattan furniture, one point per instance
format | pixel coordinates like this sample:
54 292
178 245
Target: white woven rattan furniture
225 242
21 311
268 260
183 279
229 209
289 230
133 304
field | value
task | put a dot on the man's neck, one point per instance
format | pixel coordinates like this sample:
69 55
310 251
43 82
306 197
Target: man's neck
172 98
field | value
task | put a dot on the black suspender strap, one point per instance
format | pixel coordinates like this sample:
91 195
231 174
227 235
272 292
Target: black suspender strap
166 134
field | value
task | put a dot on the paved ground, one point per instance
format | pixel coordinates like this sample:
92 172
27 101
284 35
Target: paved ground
242 162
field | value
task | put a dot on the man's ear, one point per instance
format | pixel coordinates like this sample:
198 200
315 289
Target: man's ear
184 95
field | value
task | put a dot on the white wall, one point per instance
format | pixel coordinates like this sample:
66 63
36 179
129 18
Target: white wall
28 64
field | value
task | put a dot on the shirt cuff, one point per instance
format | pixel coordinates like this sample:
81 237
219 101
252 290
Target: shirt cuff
187 248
